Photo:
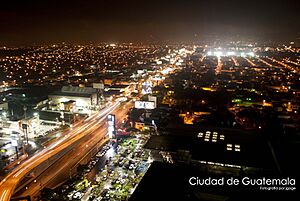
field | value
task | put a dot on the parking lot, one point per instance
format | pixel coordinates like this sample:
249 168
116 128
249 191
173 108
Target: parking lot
113 173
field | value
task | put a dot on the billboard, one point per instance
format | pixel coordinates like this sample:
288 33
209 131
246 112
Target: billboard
14 143
98 86
111 119
144 105
146 88
152 99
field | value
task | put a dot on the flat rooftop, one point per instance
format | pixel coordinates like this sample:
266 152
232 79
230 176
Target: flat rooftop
246 150
67 94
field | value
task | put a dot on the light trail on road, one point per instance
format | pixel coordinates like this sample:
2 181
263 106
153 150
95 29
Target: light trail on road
10 182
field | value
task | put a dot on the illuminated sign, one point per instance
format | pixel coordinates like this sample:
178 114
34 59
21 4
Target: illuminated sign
144 105
111 119
146 88
14 143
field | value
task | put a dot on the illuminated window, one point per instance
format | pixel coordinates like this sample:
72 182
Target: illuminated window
229 147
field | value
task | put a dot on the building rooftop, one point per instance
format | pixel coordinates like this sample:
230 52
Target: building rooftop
75 91
78 90
222 147
59 93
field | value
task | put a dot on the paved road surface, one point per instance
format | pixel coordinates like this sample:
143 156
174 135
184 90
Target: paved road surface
79 131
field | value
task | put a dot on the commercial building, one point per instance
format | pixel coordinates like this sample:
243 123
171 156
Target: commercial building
75 99
233 151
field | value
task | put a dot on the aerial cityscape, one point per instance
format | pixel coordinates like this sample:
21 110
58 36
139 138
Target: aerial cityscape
153 100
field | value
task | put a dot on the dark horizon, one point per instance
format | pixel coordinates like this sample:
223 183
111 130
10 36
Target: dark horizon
45 22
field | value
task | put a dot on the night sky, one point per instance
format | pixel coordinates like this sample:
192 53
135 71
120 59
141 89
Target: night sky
80 21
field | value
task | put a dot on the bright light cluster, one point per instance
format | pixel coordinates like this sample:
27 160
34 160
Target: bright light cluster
207 137
230 53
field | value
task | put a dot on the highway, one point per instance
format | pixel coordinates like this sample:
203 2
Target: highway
60 171
43 160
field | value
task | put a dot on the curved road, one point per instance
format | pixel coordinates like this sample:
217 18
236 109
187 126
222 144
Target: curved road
10 182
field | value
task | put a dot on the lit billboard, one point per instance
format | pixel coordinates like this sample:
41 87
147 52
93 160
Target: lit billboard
111 119
146 88
144 105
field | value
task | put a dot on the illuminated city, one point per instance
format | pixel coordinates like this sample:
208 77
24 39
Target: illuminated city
131 113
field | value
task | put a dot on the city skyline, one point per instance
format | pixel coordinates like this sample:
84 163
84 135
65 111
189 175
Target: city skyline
149 100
